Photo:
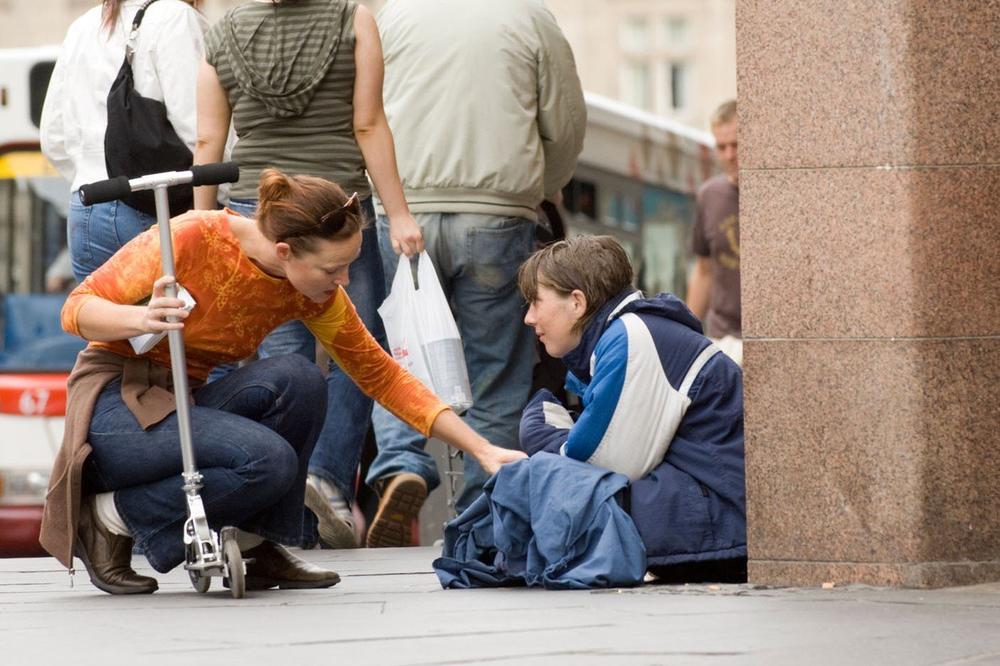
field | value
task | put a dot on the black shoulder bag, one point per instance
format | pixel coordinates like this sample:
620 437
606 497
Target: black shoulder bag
140 140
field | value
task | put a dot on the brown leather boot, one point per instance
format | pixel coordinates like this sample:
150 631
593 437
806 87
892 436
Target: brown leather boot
273 566
107 556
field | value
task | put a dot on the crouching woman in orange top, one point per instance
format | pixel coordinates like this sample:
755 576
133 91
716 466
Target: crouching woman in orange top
117 479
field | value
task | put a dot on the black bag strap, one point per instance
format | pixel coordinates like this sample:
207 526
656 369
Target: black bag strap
134 34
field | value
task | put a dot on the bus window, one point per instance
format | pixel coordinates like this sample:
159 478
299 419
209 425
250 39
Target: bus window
38 82
580 198
630 214
614 207
668 217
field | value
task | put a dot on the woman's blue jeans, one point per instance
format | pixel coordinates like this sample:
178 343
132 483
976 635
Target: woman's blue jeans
348 410
253 431
97 232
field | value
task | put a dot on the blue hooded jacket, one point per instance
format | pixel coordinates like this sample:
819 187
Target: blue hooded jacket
663 406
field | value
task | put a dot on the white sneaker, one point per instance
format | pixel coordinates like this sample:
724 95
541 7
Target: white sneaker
336 522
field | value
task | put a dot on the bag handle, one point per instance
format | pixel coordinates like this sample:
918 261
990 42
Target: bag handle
134 34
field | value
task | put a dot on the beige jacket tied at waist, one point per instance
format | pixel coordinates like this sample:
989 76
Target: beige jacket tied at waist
484 104
145 390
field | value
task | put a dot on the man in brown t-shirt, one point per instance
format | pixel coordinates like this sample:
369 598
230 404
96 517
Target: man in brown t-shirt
714 286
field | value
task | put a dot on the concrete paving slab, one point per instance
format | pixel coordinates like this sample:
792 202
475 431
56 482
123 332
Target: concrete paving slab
389 610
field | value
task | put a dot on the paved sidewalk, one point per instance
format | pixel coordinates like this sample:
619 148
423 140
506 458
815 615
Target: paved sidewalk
390 610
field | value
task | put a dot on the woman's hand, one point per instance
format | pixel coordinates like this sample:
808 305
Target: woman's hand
495 457
406 235
161 306
454 431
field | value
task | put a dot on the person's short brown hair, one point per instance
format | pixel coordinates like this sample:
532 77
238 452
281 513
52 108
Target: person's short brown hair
596 265
300 209
725 113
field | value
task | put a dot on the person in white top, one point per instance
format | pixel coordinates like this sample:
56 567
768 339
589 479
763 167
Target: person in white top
168 53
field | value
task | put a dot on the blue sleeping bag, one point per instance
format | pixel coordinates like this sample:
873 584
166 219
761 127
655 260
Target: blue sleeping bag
547 521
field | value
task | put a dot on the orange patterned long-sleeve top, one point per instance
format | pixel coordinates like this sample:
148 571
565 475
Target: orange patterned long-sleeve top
237 305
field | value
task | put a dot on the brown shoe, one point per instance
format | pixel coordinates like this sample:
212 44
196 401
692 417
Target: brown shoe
273 566
402 497
107 556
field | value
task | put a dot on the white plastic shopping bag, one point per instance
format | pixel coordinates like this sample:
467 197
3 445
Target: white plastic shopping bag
422 333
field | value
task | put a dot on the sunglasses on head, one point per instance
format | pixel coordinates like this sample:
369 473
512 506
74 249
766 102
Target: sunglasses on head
331 222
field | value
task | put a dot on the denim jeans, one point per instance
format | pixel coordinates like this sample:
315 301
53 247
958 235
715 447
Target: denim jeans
348 410
97 232
476 257
253 433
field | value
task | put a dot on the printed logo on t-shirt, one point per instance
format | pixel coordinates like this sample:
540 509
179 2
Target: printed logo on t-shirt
729 253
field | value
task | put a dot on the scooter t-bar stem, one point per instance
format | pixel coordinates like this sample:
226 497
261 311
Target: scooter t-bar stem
122 186
178 359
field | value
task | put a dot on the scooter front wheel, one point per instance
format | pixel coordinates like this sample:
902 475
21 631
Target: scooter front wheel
235 571
199 582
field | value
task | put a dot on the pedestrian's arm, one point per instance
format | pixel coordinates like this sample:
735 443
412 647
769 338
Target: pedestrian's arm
699 286
214 114
562 112
700 280
371 130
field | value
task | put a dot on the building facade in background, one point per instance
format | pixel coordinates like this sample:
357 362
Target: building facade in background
675 58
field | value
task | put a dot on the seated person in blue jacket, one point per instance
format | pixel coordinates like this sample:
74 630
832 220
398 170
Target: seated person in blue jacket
661 405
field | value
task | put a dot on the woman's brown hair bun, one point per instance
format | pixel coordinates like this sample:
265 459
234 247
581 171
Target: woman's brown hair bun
298 210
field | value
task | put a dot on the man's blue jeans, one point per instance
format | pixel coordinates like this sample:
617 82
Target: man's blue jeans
348 410
253 430
97 232
476 257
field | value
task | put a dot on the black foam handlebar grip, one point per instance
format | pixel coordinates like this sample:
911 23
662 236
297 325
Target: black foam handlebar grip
214 174
104 190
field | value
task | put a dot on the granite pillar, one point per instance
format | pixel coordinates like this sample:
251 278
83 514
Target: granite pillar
870 229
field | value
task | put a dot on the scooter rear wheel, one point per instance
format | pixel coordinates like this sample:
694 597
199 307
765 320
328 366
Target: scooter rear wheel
235 571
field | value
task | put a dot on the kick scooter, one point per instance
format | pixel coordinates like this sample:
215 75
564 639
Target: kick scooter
209 553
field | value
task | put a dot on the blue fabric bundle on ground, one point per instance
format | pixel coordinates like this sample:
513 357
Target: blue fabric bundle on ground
546 521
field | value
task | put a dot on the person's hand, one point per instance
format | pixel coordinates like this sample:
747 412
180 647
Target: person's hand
495 457
160 306
406 235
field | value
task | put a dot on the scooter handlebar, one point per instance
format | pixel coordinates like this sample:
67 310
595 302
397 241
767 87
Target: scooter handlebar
214 174
104 190
121 187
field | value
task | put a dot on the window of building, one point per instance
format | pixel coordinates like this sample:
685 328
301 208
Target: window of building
678 85
637 84
634 35
675 31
